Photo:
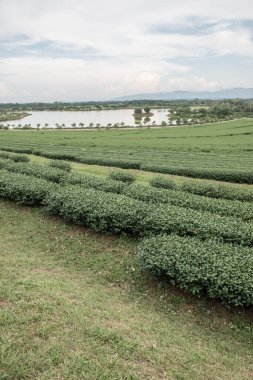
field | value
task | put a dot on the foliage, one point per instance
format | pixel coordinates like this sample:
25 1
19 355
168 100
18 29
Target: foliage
94 182
63 165
217 270
14 157
227 175
122 176
224 207
163 182
32 169
113 213
218 190
23 189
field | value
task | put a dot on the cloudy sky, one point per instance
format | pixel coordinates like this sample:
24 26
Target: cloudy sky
74 50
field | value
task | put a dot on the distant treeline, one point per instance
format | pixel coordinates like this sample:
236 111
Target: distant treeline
242 105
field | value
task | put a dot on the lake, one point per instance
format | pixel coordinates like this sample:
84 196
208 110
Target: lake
103 117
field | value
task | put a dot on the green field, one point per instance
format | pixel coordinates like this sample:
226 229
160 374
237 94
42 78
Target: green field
133 273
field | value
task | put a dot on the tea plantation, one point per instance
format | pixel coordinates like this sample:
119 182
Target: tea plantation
111 247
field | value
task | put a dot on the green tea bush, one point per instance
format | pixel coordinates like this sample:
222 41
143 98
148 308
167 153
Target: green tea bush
217 270
229 175
14 157
23 189
35 170
59 164
94 182
163 182
122 176
115 213
218 190
224 207
104 212
123 164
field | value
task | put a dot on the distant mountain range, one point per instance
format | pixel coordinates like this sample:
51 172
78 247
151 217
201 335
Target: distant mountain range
243 93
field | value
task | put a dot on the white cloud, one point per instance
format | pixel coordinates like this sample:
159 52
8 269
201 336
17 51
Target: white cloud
81 50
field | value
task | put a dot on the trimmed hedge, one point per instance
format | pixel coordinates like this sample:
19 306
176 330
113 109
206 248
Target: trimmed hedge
104 212
122 176
217 270
163 182
14 157
107 212
236 176
60 164
23 189
218 191
94 182
224 207
108 162
35 170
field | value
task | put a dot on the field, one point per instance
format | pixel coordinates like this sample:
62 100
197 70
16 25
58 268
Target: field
157 222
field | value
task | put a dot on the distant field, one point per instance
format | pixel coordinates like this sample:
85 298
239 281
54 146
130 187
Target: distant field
121 274
218 147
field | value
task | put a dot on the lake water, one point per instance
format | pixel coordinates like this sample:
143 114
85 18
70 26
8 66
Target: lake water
102 117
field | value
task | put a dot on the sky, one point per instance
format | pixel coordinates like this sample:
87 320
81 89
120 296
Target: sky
80 50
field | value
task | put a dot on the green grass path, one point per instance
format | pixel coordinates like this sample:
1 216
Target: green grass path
74 305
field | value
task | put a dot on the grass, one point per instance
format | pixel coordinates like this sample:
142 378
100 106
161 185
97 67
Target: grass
141 176
74 304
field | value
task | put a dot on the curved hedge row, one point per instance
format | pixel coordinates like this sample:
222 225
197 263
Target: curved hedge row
104 212
218 191
107 212
123 164
35 170
60 164
236 176
23 189
122 176
14 157
228 175
94 182
217 270
242 210
163 183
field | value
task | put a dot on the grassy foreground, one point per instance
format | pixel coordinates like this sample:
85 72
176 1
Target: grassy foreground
75 305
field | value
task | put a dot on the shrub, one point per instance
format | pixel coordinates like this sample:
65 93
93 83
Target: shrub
35 170
115 213
218 190
94 182
224 207
23 189
63 165
217 270
228 175
122 176
163 182
14 157
104 212
108 162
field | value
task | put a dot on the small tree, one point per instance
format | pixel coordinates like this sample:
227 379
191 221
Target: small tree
147 109
138 111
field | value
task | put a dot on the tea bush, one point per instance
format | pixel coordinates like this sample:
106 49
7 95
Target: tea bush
122 176
115 213
163 182
224 207
14 157
218 190
23 189
94 182
218 270
237 176
60 164
35 170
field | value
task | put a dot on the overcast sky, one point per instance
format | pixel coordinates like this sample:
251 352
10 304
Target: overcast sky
78 50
